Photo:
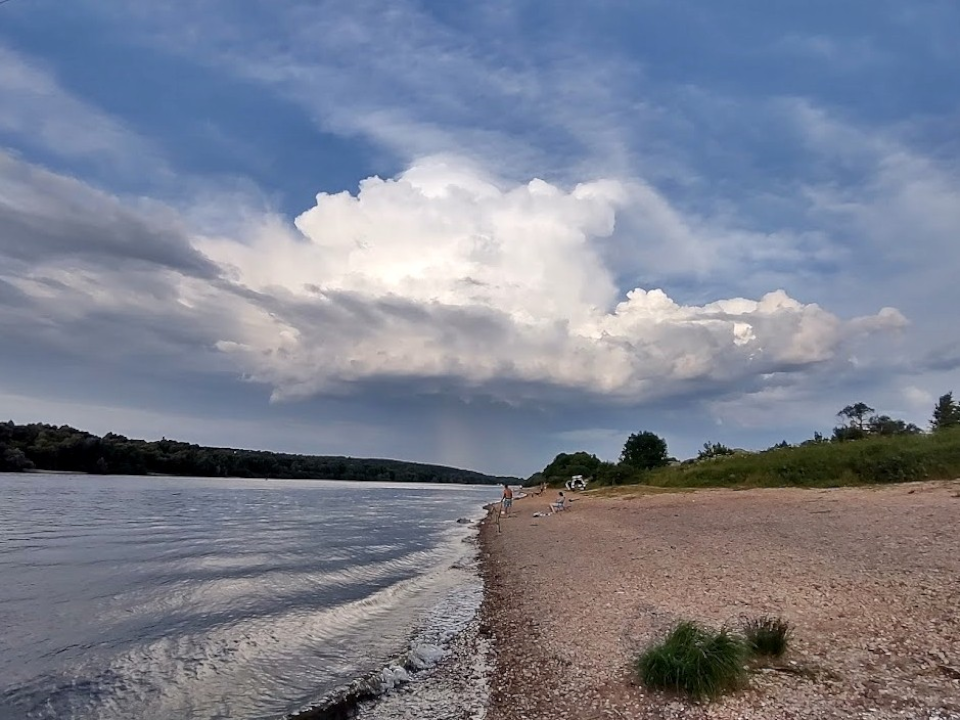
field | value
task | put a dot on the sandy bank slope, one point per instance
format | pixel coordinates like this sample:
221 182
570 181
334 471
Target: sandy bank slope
869 577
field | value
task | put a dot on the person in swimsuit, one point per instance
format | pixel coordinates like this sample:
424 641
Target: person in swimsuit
507 500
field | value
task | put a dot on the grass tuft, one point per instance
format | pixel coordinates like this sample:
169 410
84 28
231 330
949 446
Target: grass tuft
694 660
768 636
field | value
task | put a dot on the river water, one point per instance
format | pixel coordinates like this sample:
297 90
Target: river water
182 598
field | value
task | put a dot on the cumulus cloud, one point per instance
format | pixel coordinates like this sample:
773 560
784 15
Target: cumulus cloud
443 277
444 272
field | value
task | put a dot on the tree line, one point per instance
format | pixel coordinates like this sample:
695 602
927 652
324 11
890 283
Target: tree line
645 451
39 446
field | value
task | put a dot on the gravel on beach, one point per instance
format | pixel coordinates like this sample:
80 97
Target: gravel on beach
868 577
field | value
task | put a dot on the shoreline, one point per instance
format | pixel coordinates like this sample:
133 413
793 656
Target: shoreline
442 672
869 578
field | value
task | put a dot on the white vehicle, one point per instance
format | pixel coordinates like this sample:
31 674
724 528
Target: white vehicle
576 483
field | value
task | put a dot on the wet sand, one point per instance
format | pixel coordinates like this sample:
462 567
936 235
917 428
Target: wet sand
868 577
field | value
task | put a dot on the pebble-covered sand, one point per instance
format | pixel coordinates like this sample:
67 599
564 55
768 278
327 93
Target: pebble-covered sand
868 577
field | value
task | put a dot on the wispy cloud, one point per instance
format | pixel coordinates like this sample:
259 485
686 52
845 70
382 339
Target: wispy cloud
895 209
417 86
38 114
839 55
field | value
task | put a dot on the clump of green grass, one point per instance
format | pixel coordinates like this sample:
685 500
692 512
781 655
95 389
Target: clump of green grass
767 636
694 660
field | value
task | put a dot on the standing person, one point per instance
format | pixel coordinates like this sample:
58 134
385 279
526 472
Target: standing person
507 500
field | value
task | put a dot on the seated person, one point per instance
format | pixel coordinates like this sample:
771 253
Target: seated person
559 504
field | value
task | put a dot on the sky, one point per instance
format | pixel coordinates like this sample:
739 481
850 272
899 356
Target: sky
477 234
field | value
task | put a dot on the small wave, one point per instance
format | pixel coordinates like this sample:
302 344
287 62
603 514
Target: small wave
448 619
193 604
203 672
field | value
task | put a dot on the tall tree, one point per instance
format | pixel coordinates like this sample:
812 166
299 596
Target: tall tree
856 414
644 451
946 413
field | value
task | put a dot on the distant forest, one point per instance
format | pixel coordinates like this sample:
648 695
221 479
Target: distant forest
47 447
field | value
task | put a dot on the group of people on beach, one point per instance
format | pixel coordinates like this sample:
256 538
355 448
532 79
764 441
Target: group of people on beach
506 501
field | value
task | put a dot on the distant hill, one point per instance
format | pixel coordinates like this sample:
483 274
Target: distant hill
47 447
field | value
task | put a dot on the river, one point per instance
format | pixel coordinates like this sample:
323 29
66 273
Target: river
167 598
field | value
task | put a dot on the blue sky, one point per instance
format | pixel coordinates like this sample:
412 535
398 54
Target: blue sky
477 235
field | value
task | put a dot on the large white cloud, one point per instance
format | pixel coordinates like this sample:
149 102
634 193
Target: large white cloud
442 278
446 273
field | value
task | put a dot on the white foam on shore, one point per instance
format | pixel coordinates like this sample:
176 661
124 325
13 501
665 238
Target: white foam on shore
391 677
440 664
457 687
445 672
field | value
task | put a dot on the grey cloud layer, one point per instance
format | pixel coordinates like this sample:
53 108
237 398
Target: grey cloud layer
45 217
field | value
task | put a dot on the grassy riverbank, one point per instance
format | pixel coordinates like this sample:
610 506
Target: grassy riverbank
903 458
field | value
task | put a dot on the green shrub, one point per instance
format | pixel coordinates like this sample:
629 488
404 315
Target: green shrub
694 660
616 474
768 636
713 450
884 463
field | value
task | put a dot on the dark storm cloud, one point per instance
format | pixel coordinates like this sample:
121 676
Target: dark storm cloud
47 217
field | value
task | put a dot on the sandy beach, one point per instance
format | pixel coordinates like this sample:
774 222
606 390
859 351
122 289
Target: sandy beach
868 577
